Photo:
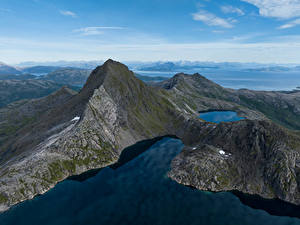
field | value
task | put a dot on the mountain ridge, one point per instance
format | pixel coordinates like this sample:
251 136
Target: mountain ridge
98 122
114 110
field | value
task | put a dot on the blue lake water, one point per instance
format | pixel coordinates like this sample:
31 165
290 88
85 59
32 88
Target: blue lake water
137 193
220 116
267 81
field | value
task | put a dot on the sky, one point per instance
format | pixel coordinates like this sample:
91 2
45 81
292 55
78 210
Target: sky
263 31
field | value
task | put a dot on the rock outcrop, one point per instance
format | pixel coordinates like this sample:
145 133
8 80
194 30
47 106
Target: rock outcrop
254 157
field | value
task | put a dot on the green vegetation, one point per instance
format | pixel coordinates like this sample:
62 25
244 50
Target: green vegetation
3 198
284 117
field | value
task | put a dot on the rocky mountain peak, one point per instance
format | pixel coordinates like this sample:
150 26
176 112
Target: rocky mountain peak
109 69
183 80
65 90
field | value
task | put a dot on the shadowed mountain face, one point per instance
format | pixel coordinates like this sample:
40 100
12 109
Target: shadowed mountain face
68 133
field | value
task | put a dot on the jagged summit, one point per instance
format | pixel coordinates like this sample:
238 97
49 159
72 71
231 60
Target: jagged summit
182 79
64 90
110 69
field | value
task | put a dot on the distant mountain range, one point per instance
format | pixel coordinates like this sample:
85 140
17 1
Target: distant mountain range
188 66
172 67
7 70
77 64
35 70
40 69
43 68
70 76
17 77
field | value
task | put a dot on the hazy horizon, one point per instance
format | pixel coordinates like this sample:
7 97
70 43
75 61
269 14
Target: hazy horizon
264 31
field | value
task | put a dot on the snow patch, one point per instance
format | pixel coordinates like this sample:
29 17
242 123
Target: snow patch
222 152
75 118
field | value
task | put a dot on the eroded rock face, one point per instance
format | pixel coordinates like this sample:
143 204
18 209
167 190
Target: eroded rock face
254 157
113 111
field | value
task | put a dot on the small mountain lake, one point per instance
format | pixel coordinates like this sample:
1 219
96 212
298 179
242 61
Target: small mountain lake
138 192
220 116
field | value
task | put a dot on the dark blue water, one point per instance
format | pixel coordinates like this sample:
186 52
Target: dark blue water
220 116
137 193
267 81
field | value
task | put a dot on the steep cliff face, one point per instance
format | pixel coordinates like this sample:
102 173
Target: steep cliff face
113 111
255 157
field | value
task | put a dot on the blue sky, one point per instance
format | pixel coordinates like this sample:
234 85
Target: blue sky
266 31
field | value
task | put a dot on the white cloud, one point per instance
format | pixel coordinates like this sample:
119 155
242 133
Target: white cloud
218 31
231 9
290 24
68 13
211 19
87 31
282 9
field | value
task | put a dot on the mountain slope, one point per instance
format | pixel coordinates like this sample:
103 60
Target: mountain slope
17 77
203 94
18 114
70 76
8 70
15 90
195 93
113 111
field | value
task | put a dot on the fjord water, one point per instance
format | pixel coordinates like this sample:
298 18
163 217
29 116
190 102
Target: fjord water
138 192
254 80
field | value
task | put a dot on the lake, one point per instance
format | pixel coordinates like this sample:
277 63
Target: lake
135 193
268 81
220 116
